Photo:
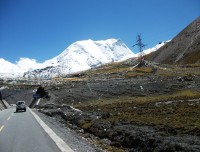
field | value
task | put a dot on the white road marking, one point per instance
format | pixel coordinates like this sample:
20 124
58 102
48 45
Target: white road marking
1 128
59 142
8 118
38 102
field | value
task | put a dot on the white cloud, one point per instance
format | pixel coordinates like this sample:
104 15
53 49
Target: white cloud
26 64
23 65
7 67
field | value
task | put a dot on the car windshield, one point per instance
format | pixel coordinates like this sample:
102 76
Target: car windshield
20 103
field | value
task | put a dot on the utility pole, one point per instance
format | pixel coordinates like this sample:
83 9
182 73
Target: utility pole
140 48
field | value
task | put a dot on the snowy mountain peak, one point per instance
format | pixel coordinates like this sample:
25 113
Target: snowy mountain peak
97 49
83 55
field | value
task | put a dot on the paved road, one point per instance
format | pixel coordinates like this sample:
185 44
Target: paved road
20 132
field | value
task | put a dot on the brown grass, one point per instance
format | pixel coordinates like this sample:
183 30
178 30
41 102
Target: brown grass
143 110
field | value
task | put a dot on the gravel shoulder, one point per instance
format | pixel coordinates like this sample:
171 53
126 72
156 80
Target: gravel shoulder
75 141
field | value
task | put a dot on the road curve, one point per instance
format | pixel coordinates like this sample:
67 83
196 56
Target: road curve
20 132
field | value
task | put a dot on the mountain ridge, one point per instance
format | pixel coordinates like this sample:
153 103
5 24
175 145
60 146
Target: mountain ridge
184 48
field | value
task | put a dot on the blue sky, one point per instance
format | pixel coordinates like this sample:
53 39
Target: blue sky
42 29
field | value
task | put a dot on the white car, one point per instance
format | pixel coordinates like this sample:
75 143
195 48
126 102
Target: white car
20 105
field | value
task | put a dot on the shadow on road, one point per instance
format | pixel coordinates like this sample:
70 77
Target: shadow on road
19 111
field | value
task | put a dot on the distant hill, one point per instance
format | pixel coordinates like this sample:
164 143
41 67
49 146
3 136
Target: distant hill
182 49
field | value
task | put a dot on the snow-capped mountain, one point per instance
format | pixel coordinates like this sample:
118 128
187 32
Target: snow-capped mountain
83 55
79 56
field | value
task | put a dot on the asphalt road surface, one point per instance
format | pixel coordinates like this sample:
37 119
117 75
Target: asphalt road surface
20 132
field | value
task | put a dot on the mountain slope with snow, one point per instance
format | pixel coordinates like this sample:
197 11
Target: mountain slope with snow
83 55
155 48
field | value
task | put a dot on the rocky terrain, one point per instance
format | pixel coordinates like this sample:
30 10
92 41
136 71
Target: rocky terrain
153 108
121 107
14 93
1 106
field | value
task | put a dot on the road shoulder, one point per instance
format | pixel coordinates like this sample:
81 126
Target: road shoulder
59 142
76 142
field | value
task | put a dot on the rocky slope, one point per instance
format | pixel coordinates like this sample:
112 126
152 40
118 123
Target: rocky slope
12 94
125 108
2 107
131 109
182 49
